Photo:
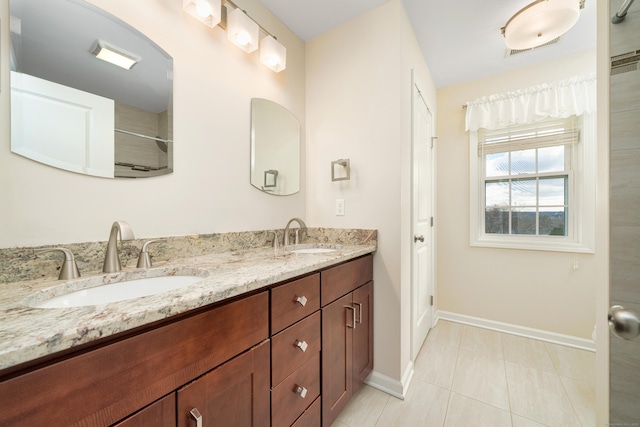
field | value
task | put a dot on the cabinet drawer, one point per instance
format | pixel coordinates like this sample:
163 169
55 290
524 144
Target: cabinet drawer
106 384
286 355
159 414
286 404
344 278
286 308
311 417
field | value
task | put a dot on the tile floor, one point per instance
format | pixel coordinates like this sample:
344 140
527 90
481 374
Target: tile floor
472 377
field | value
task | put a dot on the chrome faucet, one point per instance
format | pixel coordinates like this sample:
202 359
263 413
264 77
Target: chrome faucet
112 256
302 227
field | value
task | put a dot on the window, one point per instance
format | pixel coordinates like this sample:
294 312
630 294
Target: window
530 189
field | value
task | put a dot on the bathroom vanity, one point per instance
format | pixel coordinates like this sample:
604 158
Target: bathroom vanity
274 352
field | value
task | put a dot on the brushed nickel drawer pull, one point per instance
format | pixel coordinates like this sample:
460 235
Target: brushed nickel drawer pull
353 312
302 345
302 391
195 415
302 300
359 310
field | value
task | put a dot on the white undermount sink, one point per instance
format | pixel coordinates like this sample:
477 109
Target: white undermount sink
313 248
125 289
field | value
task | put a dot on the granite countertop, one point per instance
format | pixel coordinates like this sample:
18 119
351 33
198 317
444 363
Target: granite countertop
28 333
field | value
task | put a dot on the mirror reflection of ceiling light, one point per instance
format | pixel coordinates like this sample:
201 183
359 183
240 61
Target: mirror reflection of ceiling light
540 22
114 55
206 11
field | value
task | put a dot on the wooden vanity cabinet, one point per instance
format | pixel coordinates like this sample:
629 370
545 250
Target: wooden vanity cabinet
105 384
292 355
347 333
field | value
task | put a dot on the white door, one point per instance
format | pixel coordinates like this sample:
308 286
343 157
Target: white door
624 186
422 212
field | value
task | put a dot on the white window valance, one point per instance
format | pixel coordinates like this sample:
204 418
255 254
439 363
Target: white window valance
573 97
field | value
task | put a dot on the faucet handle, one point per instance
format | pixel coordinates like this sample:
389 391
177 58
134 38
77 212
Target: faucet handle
144 260
69 269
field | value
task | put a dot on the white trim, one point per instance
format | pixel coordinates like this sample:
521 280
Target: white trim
392 386
581 208
523 331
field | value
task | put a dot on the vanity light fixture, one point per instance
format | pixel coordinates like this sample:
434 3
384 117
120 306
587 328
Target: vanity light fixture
209 12
242 30
114 55
541 22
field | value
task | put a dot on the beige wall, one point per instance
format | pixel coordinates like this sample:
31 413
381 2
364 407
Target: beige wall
533 289
214 82
359 107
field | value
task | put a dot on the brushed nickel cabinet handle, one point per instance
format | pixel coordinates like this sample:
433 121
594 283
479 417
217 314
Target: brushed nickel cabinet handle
302 300
302 391
302 345
195 415
353 312
359 310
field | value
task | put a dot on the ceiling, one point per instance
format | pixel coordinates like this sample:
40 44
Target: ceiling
460 40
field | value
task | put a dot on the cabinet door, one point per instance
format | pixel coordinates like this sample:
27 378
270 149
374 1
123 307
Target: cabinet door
362 334
337 344
235 394
159 414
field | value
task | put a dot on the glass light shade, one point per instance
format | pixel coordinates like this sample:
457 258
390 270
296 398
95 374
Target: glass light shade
206 11
242 31
273 54
540 22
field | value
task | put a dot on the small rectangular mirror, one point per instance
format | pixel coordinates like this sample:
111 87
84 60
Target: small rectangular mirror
275 148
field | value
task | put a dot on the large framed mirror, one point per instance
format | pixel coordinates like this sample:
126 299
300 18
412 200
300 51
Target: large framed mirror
275 148
74 108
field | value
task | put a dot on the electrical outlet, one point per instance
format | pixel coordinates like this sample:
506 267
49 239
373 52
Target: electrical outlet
339 207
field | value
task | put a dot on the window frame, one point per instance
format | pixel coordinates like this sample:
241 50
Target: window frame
581 200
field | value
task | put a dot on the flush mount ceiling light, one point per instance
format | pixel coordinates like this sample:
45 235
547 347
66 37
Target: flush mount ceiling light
114 55
540 22
273 54
206 11
242 31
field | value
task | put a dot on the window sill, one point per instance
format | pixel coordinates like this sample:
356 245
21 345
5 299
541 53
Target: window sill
538 243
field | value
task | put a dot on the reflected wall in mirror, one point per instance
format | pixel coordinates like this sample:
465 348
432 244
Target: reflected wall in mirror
74 111
275 148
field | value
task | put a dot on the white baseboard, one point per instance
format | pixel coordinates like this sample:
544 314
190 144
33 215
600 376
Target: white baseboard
392 386
538 334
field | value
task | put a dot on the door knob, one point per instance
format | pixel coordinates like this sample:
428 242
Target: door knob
624 323
416 238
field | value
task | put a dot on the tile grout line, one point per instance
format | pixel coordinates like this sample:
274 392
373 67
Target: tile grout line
506 378
453 378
